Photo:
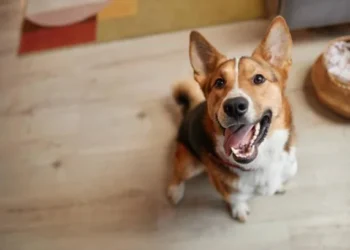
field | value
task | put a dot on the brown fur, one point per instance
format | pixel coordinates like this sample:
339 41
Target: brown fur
185 167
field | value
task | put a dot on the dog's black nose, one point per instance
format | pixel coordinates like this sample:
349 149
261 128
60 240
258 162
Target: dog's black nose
236 107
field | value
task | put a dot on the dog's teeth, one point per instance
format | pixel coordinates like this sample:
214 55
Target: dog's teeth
235 151
257 126
257 129
256 133
239 154
251 150
252 140
246 153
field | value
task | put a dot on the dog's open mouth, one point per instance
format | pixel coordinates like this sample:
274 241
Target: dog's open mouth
242 140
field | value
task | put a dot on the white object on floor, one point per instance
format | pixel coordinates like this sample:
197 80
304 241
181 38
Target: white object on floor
337 60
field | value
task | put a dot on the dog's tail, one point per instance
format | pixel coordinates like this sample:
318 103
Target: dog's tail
187 94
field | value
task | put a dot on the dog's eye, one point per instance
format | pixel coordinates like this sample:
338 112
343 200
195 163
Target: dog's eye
219 83
259 79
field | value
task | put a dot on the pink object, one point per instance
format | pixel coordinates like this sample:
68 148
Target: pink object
236 138
67 16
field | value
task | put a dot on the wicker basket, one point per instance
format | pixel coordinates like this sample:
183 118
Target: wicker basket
329 90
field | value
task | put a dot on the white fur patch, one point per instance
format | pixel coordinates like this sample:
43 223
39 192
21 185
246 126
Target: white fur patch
236 83
240 211
176 192
272 167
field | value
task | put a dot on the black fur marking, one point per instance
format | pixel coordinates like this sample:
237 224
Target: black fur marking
192 132
183 100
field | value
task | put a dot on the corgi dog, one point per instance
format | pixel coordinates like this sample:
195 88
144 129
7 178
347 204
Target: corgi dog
237 121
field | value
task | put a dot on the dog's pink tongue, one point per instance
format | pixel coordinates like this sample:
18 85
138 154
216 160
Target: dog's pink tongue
236 138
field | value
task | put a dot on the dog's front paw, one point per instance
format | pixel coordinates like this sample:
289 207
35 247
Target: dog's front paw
176 193
240 211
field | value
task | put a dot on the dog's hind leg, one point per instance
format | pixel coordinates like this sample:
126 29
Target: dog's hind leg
186 166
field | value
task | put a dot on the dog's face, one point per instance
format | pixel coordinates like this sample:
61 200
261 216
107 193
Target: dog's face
244 95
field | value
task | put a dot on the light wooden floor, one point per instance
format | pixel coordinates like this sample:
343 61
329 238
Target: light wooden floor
86 141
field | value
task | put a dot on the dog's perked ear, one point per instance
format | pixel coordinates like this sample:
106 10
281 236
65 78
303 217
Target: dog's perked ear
203 57
276 47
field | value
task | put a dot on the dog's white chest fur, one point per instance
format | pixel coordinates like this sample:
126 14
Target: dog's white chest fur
272 167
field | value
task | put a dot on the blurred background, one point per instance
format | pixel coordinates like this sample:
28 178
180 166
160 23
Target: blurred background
50 24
